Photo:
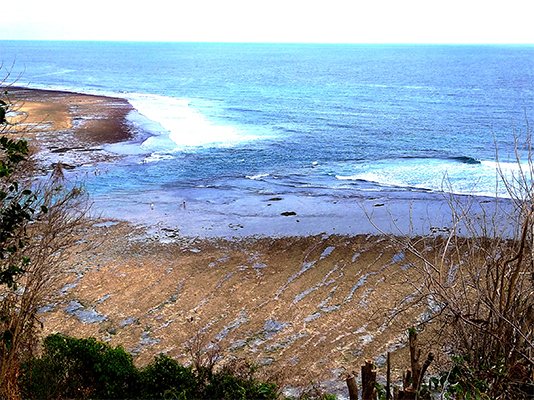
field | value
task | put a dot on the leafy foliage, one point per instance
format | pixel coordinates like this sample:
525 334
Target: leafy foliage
79 368
17 207
71 368
3 111
165 378
237 382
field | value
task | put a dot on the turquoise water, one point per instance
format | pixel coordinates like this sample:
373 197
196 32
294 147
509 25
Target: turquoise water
220 121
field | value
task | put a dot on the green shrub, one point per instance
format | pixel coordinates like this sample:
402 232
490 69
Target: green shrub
238 382
165 378
79 368
71 368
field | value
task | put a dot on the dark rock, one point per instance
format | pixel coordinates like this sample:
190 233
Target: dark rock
60 150
62 166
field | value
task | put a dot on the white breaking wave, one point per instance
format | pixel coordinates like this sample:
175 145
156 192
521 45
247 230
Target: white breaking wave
482 179
55 72
256 177
176 125
157 157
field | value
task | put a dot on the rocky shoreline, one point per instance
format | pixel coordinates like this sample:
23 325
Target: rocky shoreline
69 128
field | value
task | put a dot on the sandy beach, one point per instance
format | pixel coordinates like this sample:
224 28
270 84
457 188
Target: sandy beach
307 306
310 308
70 128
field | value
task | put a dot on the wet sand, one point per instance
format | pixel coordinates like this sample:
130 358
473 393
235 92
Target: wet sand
90 119
69 127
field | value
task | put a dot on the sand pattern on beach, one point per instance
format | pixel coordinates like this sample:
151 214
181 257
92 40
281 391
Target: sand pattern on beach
311 307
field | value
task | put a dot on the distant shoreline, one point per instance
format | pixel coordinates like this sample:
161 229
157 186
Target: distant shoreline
95 119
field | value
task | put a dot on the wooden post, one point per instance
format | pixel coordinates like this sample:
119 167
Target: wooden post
353 387
412 384
415 354
407 379
388 376
368 381
426 364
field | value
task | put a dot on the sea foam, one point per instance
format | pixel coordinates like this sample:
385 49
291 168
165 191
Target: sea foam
176 125
256 177
449 175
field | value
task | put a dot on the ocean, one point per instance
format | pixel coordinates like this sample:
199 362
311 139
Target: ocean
230 127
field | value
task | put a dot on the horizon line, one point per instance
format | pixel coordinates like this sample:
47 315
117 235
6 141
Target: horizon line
371 43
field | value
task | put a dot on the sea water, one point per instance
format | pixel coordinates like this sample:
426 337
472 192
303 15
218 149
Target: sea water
219 123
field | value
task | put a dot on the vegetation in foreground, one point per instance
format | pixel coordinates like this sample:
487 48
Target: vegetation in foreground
479 290
72 368
39 220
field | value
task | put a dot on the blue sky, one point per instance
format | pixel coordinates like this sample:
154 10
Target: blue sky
323 21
